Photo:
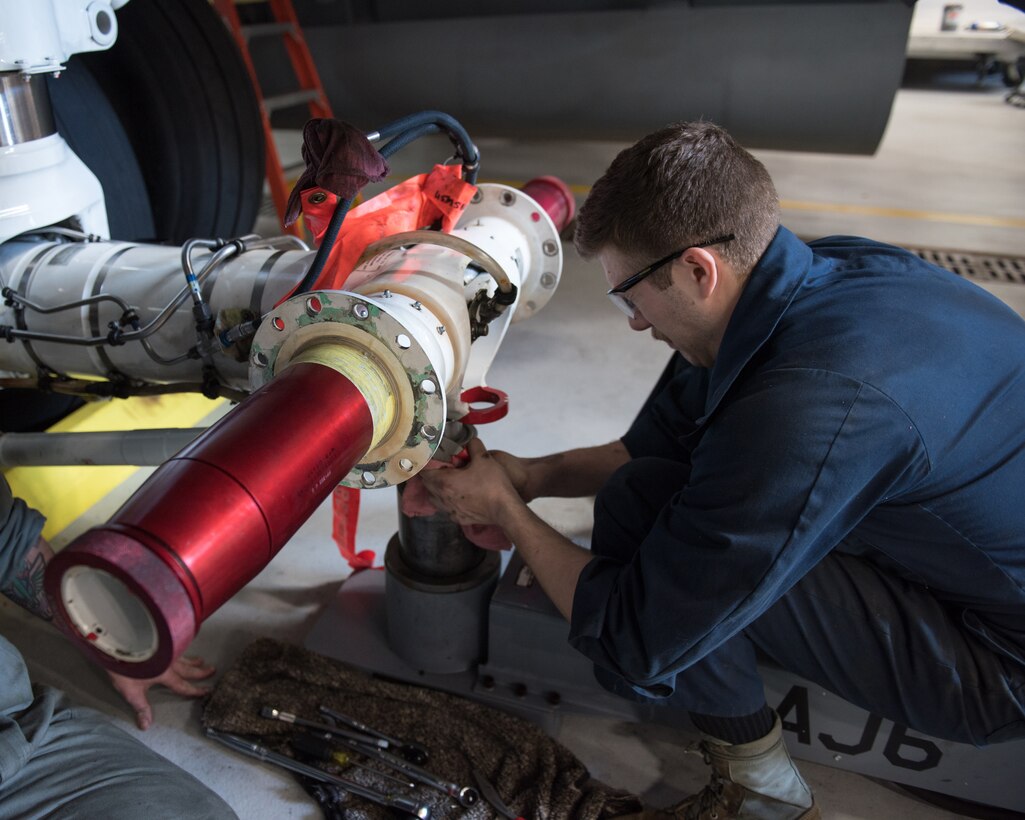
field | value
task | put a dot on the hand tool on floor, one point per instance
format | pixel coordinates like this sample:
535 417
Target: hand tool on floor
491 795
411 750
247 747
466 795
321 747
288 717
372 747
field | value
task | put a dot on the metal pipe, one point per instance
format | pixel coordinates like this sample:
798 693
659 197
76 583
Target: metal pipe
133 592
554 195
444 240
25 110
145 277
141 448
435 546
7 293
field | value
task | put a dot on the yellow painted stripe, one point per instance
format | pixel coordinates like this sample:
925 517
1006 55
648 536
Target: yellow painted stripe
863 210
63 494
905 213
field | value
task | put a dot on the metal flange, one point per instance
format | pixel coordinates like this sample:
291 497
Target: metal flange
539 279
386 346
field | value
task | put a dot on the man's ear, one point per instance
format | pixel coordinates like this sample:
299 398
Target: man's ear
701 270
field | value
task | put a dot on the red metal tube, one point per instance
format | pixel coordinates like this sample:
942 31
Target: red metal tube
208 520
554 195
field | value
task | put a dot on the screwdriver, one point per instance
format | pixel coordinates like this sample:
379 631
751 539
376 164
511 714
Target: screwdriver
321 747
412 751
288 717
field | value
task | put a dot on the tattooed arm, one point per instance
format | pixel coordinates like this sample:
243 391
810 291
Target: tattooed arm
24 553
24 586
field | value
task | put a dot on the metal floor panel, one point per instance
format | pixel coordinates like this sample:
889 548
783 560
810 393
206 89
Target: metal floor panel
980 267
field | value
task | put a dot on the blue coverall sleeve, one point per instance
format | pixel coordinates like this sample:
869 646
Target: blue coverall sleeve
783 471
669 413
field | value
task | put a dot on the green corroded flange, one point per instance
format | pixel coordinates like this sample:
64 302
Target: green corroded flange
362 323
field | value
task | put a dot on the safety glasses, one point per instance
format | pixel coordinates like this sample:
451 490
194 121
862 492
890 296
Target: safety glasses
622 302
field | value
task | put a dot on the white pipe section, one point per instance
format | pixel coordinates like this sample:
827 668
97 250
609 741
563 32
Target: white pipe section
425 287
146 277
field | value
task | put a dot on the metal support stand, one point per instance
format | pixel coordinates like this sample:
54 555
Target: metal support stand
438 625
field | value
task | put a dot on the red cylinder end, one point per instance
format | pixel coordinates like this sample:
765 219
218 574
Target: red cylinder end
210 519
554 195
120 603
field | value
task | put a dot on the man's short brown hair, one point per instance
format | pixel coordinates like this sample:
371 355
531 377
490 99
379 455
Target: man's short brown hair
687 183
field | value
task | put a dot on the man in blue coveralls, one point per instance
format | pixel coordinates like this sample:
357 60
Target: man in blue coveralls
830 471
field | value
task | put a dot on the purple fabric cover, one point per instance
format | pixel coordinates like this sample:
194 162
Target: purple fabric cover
338 159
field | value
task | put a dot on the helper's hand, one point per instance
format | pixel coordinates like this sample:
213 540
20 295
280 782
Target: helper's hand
516 468
179 679
475 493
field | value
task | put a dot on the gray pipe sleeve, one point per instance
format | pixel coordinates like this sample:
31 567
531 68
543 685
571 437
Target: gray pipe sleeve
141 448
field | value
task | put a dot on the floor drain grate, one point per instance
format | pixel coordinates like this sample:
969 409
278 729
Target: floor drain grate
978 266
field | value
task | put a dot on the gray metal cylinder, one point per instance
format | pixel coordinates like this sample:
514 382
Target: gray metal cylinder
25 110
434 545
438 625
140 448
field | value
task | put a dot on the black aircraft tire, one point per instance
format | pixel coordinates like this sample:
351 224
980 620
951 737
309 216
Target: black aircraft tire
181 90
92 129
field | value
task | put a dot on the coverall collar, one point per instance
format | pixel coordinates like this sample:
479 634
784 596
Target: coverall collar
770 288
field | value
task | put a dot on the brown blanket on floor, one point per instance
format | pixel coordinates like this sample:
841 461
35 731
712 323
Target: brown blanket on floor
535 776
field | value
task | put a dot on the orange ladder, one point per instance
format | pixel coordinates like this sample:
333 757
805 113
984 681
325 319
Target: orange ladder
310 91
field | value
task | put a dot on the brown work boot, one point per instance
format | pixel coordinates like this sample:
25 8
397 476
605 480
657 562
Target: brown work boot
750 781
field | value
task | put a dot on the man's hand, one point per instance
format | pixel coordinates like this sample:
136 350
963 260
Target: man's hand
178 679
484 492
477 493
517 471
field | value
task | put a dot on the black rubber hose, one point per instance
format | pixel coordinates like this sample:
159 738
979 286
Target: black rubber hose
330 235
406 137
448 122
403 124
467 150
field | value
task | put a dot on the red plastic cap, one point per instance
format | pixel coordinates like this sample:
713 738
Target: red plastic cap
554 195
